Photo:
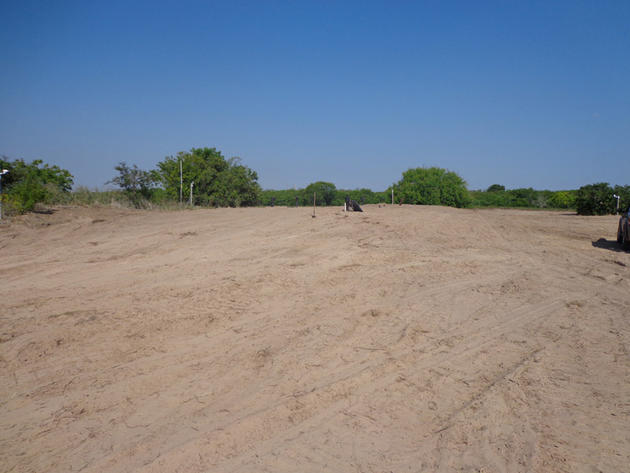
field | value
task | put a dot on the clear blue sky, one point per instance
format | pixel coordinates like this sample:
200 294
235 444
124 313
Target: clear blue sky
517 93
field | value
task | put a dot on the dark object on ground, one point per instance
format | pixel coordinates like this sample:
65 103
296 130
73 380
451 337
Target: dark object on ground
296 201
623 231
352 204
355 206
273 201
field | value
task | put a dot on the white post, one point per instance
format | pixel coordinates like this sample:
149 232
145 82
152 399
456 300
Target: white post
191 188
181 181
392 196
617 197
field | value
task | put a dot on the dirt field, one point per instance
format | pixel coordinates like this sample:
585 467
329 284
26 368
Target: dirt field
403 339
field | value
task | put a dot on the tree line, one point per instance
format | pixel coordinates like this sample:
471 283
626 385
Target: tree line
204 177
201 176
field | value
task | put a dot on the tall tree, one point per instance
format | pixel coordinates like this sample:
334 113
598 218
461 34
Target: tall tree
217 182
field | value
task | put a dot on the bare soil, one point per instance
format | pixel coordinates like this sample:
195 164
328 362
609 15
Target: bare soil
252 340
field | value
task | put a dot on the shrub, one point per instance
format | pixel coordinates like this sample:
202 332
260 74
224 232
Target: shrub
432 186
495 188
27 184
326 193
595 199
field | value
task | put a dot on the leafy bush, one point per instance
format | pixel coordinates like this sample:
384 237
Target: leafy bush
523 198
432 186
624 193
562 200
135 183
27 184
217 182
495 188
595 199
326 193
284 197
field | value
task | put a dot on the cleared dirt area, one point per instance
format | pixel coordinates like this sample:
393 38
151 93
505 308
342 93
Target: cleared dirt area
250 340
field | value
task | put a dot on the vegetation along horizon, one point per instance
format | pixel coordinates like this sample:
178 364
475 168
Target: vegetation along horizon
204 177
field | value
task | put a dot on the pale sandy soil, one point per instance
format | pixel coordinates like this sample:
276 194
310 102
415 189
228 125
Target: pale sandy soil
403 339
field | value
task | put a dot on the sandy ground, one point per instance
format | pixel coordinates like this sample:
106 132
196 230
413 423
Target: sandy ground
252 340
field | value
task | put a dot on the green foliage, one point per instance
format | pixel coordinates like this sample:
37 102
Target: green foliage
362 196
217 182
495 188
595 199
326 193
624 193
432 186
524 198
133 179
27 184
287 197
598 199
136 183
282 197
562 200
240 187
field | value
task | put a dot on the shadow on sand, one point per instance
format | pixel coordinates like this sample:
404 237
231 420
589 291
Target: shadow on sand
44 211
611 245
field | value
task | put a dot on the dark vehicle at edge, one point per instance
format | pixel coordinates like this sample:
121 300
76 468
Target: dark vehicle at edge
623 232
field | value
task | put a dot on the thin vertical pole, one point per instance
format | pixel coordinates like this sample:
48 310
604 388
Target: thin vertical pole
181 181
392 196
314 200
191 189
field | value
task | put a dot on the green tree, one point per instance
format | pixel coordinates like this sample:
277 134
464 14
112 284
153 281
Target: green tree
27 184
217 182
432 186
326 193
135 182
595 199
496 188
